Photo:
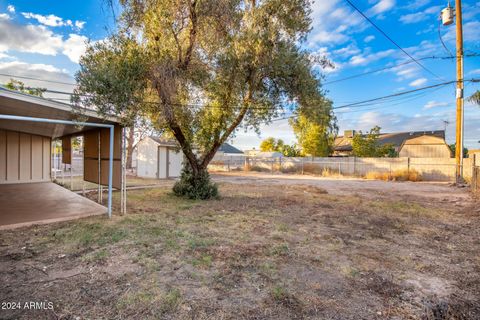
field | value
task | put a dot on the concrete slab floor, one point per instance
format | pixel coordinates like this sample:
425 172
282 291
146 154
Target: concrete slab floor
39 203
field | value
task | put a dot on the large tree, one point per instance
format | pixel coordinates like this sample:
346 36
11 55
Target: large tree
201 69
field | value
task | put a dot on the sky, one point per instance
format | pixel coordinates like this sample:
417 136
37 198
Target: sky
45 39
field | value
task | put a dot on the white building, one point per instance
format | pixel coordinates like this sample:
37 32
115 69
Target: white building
158 158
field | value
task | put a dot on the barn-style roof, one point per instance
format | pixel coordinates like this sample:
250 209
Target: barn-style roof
343 143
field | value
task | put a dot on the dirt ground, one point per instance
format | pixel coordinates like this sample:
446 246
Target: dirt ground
271 247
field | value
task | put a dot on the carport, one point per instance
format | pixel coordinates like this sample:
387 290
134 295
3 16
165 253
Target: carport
28 124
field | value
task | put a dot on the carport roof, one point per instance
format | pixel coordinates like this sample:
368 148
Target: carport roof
19 104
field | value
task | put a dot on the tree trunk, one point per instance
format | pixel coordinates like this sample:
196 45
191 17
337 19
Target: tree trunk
130 142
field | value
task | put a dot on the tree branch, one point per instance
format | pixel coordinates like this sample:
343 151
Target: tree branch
193 34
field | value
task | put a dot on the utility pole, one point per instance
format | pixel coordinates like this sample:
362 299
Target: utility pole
460 87
447 19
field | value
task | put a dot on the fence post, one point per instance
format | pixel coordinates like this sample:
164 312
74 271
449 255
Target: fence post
354 165
408 165
303 160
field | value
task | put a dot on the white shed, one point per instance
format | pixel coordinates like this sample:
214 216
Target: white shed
158 158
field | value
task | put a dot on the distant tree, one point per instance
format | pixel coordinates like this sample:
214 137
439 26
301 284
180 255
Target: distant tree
271 145
291 151
277 145
453 148
315 131
475 98
20 86
368 145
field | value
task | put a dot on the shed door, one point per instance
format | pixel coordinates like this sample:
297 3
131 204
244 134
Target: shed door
174 163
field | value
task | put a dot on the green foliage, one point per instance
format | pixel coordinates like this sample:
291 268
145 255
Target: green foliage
315 132
271 144
195 186
291 151
368 145
203 69
453 148
475 98
277 145
20 86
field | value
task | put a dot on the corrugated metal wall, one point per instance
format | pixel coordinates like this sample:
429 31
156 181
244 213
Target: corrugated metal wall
24 157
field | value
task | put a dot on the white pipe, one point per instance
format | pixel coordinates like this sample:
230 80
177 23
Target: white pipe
87 124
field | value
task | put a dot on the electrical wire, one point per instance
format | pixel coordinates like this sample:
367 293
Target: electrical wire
393 67
441 40
392 41
36 79
363 103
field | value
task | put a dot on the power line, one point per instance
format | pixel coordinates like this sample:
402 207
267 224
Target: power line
36 79
394 95
363 103
392 67
391 40
473 54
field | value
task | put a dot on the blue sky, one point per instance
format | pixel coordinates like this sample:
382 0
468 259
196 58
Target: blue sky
44 39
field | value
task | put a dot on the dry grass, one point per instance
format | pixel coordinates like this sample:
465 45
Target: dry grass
397 175
259 252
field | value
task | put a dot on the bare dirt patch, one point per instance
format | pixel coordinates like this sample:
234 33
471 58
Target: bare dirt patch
281 250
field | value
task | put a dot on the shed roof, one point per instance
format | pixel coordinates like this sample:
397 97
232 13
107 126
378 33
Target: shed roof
396 138
228 148
164 142
20 104
425 140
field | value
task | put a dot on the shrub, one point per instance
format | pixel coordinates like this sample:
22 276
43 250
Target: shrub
195 187
407 175
397 175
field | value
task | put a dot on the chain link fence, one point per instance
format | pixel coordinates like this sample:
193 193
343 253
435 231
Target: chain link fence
414 169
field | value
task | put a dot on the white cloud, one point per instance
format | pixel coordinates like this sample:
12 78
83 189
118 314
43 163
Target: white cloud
470 32
368 39
435 104
79 24
418 82
326 29
39 71
11 8
28 38
420 16
417 4
381 7
4 16
50 20
364 59
5 56
474 72
74 47
39 39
